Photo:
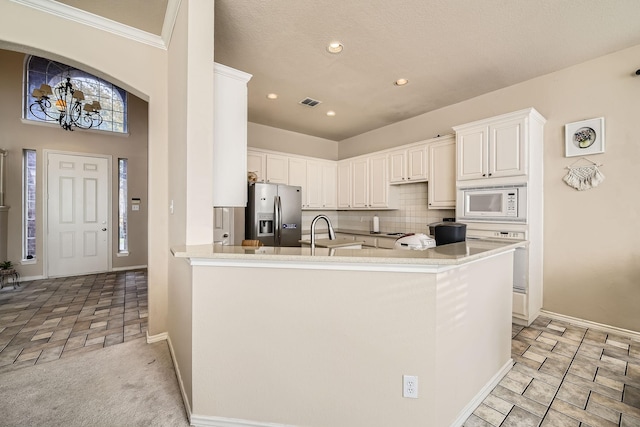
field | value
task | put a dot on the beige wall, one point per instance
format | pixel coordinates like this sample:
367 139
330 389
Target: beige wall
18 135
321 347
136 67
591 251
270 138
190 69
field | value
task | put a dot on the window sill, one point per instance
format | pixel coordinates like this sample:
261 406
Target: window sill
28 261
54 124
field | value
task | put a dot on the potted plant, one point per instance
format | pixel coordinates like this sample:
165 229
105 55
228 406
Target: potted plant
6 265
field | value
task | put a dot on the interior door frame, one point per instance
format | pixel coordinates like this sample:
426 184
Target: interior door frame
45 204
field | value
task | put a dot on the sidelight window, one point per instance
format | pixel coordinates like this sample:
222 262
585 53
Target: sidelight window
123 235
29 204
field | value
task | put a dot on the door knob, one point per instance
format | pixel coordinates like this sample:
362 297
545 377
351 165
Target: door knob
104 229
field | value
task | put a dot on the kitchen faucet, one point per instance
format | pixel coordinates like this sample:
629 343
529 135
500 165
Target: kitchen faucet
332 234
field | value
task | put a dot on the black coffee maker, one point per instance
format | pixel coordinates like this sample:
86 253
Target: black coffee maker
447 232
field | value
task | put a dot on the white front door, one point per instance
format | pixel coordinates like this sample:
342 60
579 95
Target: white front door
77 214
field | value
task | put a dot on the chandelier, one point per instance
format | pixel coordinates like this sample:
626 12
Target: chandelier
70 106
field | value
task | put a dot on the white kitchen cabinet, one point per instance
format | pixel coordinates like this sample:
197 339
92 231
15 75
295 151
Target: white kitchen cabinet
378 182
321 185
257 163
408 165
360 183
442 174
398 166
298 176
313 197
329 185
492 148
230 136
363 183
344 184
273 168
297 172
508 150
417 164
277 169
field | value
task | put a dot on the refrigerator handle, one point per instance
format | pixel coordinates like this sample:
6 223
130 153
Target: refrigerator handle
278 219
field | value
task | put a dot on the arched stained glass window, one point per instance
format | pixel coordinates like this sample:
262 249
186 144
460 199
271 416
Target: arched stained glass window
112 99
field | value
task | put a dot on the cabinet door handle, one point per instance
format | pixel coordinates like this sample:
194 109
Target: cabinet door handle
490 174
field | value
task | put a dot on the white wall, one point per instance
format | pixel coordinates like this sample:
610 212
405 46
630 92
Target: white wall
591 251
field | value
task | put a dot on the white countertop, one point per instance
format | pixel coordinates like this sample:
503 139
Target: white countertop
452 254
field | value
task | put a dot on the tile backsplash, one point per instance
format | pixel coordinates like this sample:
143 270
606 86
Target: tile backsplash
412 215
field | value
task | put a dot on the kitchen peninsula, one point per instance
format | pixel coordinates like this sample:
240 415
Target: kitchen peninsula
322 336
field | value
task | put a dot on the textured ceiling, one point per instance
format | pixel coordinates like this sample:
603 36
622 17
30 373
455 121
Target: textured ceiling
450 50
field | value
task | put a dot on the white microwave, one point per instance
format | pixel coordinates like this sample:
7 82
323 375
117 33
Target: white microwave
506 203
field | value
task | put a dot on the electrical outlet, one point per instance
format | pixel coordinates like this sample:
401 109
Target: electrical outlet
410 386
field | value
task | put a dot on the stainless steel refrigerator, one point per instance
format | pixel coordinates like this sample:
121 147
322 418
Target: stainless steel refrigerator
274 214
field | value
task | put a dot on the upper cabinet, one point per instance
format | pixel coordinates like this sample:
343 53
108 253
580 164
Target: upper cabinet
496 147
316 177
229 136
257 163
320 185
271 168
363 183
277 169
408 165
344 184
442 174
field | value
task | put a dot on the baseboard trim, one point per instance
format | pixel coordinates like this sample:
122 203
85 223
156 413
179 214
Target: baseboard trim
185 400
156 338
31 278
203 421
133 267
482 394
592 325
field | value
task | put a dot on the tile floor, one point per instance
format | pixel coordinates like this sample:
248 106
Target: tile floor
44 320
566 375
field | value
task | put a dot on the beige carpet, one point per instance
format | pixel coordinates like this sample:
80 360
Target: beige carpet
129 384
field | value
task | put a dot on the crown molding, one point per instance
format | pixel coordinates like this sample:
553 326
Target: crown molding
173 6
71 13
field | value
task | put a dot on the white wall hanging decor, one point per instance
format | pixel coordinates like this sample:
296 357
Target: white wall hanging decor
583 177
584 137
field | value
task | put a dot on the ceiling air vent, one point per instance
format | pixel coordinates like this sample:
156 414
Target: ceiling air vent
309 102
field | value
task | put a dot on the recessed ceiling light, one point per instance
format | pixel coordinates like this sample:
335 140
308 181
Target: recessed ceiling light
331 113
335 47
401 82
272 96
